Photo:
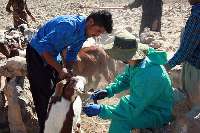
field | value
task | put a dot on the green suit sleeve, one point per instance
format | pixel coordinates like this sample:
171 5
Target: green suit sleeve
147 89
120 83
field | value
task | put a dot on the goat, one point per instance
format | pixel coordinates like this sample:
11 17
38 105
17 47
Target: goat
88 69
65 107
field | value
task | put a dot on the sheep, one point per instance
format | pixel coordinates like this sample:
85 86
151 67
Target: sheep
65 107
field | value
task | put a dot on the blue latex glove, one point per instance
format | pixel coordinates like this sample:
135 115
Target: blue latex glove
92 109
99 94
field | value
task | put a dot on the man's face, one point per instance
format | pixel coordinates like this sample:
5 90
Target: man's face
93 30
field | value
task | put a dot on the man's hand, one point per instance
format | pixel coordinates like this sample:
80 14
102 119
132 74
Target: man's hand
64 74
99 94
92 109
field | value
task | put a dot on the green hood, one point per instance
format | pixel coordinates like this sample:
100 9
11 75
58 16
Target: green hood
157 57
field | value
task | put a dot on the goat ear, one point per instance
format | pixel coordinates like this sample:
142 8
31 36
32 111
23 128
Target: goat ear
59 87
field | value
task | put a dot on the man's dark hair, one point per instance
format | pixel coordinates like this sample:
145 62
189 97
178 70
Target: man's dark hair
102 18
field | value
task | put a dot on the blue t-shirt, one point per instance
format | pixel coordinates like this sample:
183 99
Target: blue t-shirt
59 33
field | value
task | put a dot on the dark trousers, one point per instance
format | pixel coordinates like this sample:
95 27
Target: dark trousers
151 15
19 17
150 21
42 80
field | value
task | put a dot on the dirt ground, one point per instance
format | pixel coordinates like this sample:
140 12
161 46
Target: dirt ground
175 13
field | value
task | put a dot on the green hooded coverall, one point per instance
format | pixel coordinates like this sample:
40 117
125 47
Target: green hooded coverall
150 102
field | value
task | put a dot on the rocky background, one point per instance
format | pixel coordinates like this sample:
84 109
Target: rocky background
175 14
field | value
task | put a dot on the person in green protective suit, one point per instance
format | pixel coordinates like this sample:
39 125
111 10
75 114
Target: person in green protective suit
150 102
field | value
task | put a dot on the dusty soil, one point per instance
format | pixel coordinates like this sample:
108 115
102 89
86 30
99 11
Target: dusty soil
175 14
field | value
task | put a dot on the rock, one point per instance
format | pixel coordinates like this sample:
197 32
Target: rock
129 29
15 66
156 44
16 123
28 112
148 36
21 114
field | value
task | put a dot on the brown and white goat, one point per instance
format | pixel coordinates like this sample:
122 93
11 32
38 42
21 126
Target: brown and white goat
65 107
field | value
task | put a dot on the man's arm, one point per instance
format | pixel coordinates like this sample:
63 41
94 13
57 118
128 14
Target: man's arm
50 60
69 65
121 82
10 2
46 46
62 71
189 41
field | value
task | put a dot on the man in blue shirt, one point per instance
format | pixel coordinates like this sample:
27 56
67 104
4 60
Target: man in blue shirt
62 33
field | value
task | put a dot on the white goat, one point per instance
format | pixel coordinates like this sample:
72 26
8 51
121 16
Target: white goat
65 107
